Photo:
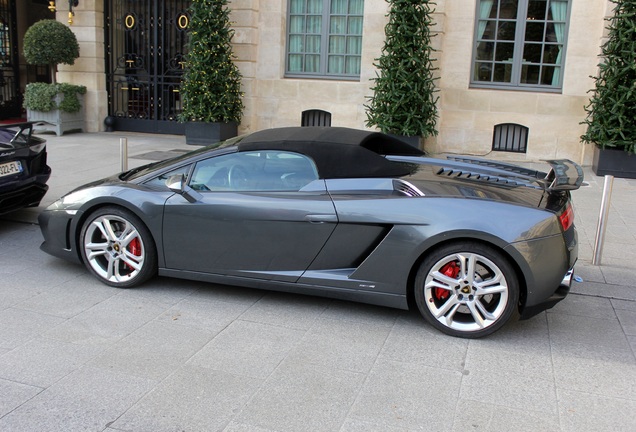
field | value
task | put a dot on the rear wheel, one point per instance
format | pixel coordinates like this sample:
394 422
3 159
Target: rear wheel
467 289
117 247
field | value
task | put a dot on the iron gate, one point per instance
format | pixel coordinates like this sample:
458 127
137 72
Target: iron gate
10 97
145 47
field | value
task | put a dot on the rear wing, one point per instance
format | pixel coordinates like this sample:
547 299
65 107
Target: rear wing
563 175
21 131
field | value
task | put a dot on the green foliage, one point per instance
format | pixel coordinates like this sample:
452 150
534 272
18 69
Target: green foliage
611 113
404 100
41 97
50 42
211 86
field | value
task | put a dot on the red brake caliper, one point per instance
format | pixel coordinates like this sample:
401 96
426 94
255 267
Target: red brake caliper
451 270
134 247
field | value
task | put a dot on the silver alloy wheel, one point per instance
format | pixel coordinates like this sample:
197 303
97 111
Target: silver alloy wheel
466 292
114 248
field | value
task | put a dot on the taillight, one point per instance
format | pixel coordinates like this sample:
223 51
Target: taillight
567 217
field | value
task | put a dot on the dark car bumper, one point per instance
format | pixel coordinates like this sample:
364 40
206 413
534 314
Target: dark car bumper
558 295
56 227
549 272
23 195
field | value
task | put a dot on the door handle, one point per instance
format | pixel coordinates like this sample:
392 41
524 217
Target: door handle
321 218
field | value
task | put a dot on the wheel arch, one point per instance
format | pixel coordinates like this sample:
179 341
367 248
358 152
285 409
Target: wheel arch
94 206
445 239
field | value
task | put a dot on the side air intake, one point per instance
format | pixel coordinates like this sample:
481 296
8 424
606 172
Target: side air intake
406 188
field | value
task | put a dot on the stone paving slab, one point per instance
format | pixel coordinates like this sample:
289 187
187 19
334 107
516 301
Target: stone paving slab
172 355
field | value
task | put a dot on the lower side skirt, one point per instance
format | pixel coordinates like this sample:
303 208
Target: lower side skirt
374 298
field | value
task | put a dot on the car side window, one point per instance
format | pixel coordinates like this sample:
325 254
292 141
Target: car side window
266 170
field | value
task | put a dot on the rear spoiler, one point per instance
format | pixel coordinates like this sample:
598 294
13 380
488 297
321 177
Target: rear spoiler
23 126
563 175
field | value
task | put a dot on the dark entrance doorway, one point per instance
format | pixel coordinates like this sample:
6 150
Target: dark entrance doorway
10 97
145 48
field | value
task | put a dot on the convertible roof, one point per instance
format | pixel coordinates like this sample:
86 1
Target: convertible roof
338 152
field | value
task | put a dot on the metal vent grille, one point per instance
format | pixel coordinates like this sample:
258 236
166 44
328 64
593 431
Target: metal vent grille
510 137
406 188
485 178
316 118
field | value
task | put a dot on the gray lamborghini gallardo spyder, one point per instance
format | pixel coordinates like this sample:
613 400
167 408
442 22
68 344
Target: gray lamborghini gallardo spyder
335 212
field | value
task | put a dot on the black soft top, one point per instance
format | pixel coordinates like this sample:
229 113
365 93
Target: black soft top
338 152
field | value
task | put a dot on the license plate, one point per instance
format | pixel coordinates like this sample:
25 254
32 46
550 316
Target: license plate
10 168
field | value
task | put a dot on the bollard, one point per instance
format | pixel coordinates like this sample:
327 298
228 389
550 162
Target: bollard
602 219
123 153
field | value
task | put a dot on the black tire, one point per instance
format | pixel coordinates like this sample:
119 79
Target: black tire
459 304
118 248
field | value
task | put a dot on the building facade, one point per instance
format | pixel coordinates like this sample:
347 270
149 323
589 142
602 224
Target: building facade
513 74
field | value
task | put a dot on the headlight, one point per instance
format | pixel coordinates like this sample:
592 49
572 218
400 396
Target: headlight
74 198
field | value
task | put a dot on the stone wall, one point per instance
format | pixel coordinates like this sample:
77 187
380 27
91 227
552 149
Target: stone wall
467 116
272 100
89 69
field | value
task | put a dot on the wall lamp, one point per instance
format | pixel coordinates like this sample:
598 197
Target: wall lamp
71 14
71 5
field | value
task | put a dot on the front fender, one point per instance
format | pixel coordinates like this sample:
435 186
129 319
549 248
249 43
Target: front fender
145 204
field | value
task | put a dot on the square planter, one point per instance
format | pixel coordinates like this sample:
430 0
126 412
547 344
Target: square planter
203 133
410 140
617 163
56 120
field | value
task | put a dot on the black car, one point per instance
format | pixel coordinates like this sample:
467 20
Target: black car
23 168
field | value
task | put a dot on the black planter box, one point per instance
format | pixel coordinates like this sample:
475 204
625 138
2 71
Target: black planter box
202 133
411 140
617 163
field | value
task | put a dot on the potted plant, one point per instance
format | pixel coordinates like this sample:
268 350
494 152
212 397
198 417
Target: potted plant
211 85
611 112
404 100
61 105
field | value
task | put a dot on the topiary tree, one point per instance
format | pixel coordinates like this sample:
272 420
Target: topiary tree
50 42
211 85
404 100
611 113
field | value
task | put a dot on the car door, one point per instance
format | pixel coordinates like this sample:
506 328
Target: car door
261 214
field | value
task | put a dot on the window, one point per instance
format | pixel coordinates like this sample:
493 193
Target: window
510 137
520 44
324 38
315 117
267 170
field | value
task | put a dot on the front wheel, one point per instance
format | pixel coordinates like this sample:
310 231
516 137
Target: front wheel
118 248
466 290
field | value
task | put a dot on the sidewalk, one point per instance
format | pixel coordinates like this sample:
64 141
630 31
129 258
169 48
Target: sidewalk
77 355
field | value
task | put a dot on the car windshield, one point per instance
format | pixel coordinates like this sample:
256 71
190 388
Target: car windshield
157 166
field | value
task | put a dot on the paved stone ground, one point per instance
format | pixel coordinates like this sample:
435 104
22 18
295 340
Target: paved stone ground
76 355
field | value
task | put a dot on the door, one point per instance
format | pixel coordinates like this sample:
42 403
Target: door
10 97
145 48
261 215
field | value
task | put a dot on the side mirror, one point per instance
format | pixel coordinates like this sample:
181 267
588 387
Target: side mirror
177 184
